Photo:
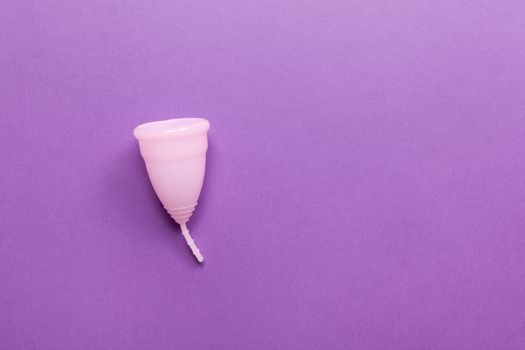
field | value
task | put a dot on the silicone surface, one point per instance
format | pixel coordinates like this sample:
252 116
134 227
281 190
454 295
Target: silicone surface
174 151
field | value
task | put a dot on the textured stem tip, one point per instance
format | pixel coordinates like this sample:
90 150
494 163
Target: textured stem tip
191 243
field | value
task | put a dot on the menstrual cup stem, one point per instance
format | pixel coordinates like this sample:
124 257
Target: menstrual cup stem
191 243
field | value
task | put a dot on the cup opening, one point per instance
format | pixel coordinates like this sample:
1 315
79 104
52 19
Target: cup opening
171 128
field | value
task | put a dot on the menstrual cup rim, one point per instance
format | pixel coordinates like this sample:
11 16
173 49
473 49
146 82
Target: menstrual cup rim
174 127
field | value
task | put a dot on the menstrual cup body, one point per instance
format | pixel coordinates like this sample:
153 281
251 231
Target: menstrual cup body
175 155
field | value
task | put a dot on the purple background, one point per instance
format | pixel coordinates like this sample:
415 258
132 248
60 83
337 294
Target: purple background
365 185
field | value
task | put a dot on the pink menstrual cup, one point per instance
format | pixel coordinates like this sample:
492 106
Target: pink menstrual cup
174 151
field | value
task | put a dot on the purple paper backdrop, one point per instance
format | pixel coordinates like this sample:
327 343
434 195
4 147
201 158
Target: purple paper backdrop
365 185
